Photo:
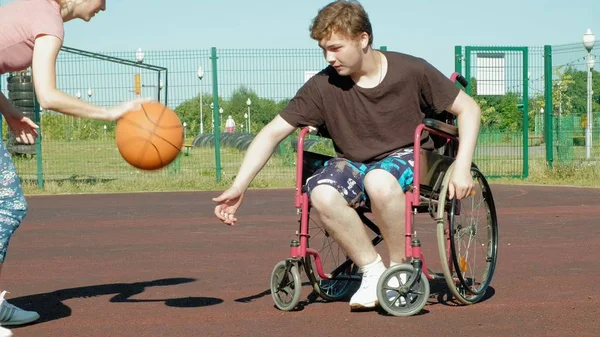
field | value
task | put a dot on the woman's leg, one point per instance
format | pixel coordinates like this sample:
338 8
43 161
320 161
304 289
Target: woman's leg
13 208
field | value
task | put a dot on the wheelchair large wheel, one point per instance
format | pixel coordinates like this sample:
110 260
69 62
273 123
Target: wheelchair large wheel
470 227
285 285
396 297
335 264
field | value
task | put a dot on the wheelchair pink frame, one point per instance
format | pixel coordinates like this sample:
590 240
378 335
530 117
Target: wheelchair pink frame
413 200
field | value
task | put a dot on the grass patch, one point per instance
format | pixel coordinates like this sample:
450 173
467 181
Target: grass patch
577 173
95 166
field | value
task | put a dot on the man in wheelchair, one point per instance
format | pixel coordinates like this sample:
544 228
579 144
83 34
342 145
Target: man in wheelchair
370 102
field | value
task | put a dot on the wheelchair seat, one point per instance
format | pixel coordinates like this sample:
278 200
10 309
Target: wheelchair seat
433 163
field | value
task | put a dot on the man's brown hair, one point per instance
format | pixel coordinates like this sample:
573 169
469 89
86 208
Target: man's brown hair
346 17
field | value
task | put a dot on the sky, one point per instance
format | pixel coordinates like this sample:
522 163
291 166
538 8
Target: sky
424 28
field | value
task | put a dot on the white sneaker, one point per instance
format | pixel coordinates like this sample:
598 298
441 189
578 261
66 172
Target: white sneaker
11 315
4 332
366 295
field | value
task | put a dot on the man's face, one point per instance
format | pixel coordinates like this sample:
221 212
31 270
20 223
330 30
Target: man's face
343 53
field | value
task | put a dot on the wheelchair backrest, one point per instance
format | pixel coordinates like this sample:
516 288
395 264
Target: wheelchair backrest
311 163
433 167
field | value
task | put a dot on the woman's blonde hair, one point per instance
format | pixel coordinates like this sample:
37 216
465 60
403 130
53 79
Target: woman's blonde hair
347 17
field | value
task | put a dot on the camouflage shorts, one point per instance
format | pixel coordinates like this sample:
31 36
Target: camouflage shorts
348 177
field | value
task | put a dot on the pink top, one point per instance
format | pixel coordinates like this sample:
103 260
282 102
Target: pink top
21 21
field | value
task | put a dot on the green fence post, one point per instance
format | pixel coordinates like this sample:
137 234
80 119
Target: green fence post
548 105
468 70
166 88
458 60
217 126
38 142
525 112
175 166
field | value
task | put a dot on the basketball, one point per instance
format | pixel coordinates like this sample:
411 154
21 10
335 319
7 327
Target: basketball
149 138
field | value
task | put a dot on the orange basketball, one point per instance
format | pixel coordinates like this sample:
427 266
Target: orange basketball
149 138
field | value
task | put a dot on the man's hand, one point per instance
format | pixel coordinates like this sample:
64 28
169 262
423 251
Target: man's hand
24 129
227 204
461 184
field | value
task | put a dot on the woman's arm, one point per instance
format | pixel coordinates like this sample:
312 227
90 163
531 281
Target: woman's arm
45 54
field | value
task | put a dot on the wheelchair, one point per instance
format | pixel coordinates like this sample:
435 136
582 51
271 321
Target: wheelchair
467 234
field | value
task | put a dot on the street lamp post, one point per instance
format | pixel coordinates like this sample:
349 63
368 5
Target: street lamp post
200 76
221 116
588 43
538 125
248 103
139 55
212 116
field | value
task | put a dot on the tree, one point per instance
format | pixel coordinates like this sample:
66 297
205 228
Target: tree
577 90
189 112
562 97
262 111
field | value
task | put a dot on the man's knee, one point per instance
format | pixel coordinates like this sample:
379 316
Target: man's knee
324 197
381 186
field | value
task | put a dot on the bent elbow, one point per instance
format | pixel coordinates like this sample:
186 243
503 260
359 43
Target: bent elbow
46 99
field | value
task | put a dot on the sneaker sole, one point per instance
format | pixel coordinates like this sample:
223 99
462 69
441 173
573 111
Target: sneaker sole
364 306
10 323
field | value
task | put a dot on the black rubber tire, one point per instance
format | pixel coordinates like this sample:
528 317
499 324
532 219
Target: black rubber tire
19 79
21 95
21 86
23 103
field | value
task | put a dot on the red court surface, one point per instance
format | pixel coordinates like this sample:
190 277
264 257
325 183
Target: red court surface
160 264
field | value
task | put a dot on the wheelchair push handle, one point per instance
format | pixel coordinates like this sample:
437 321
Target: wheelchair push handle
456 77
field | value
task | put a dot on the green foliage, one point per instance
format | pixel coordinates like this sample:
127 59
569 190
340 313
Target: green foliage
60 127
262 111
500 112
574 92
562 94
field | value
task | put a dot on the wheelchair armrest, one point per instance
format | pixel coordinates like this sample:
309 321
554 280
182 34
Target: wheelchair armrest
441 126
321 132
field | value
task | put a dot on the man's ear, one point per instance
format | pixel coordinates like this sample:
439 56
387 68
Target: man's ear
364 40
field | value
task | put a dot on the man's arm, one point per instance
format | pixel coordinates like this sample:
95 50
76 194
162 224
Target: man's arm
468 114
258 154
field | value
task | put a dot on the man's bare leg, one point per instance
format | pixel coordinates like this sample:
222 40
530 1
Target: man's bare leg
388 206
345 227
343 224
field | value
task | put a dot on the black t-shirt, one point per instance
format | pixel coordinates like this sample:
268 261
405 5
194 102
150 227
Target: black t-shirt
369 124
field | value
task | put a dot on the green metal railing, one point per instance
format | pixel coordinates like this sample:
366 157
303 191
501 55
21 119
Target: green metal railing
83 152
533 104
528 102
500 80
569 103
